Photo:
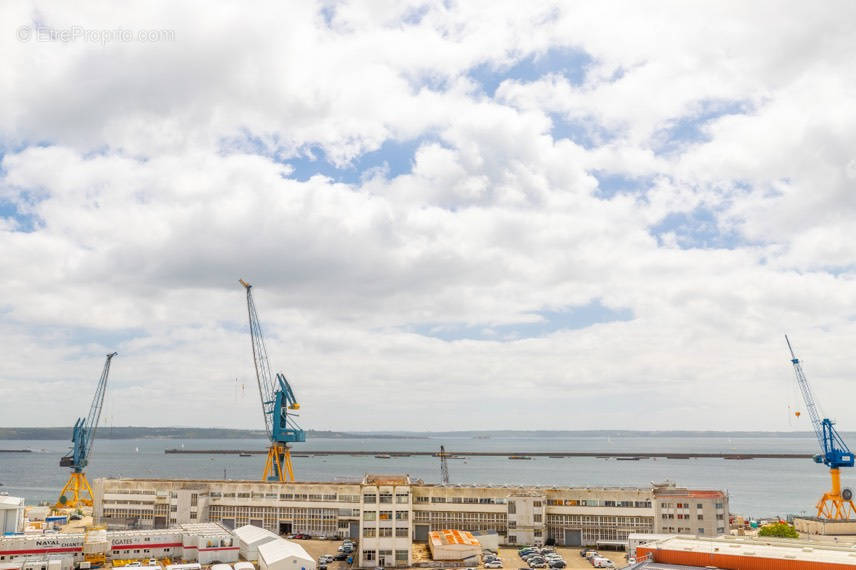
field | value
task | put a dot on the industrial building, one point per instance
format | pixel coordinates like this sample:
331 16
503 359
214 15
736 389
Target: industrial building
453 545
205 543
250 538
387 513
748 553
281 554
11 514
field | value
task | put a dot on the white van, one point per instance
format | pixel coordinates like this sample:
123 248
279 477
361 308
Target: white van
601 562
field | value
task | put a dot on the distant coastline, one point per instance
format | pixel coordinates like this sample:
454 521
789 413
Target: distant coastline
62 433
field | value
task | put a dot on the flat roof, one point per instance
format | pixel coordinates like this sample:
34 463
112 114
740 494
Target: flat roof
449 536
387 480
412 483
784 549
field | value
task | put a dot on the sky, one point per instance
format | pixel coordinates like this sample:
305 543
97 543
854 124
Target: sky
455 215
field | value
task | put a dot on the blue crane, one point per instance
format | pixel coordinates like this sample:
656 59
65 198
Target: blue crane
83 435
278 403
836 503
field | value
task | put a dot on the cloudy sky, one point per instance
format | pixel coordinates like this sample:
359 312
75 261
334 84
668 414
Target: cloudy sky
456 215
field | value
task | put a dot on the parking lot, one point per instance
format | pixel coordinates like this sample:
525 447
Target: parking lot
510 559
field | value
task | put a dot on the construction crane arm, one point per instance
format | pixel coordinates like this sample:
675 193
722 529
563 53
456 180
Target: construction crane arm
94 416
267 388
835 452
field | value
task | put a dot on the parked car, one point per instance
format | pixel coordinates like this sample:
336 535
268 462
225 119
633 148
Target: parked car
601 562
585 551
493 564
538 564
557 563
340 556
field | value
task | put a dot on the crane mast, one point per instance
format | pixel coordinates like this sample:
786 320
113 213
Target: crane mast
278 400
75 492
444 466
837 503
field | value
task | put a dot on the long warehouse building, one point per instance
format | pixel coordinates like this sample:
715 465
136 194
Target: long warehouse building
388 512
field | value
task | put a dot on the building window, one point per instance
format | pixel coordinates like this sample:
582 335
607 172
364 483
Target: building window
369 532
537 534
386 497
700 530
701 517
401 498
194 499
368 555
402 532
699 506
370 498
401 515
401 556
512 539
384 532
512 508
536 518
536 504
369 516
193 515
385 515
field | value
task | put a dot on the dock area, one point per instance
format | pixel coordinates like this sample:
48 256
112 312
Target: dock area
515 454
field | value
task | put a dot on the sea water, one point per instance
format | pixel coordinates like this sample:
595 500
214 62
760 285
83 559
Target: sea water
756 488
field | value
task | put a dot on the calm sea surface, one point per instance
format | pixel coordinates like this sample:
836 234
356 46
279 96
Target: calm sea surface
758 487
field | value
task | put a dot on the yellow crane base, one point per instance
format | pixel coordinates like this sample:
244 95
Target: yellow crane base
75 492
278 465
832 505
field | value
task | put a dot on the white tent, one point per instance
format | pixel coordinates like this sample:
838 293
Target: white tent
250 538
281 554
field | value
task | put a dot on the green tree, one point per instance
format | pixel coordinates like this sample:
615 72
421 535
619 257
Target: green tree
778 530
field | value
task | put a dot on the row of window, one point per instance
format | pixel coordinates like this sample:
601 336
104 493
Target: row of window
599 503
288 497
385 515
401 532
462 500
401 498
386 557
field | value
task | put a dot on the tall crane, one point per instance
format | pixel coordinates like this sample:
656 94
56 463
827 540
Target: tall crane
837 503
444 466
83 435
278 403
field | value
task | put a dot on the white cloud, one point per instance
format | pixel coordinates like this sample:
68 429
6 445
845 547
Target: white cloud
157 174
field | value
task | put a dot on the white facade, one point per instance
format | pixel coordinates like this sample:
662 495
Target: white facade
249 539
282 554
385 514
11 514
205 542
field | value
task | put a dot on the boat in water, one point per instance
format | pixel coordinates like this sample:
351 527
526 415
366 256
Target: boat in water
383 456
